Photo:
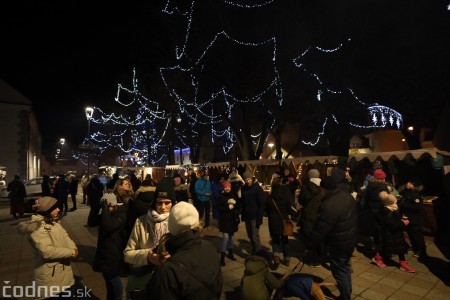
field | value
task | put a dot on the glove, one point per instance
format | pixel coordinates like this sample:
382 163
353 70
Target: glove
231 201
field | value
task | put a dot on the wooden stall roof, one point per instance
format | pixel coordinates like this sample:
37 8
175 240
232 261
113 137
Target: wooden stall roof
399 154
269 162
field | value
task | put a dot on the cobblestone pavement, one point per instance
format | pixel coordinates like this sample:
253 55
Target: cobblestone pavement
369 281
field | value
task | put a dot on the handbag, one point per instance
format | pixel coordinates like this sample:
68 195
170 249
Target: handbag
288 225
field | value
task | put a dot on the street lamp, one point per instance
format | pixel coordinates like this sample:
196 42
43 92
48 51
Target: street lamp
89 112
270 146
181 147
62 141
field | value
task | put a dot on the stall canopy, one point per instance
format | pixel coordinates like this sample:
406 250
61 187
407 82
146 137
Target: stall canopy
433 152
268 162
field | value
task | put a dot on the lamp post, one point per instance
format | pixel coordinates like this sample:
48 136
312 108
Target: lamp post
181 147
89 112
62 141
270 146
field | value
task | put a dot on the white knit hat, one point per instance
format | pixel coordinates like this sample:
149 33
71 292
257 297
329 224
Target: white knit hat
183 216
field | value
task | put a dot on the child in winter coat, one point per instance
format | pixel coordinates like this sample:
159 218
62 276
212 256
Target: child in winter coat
392 226
257 276
411 207
228 206
54 249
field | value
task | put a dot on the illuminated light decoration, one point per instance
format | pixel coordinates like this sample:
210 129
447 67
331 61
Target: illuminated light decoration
141 133
201 110
318 136
381 116
234 3
448 7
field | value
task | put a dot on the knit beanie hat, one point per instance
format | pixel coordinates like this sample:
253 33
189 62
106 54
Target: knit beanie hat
45 205
328 183
247 174
313 173
165 189
183 216
379 174
227 184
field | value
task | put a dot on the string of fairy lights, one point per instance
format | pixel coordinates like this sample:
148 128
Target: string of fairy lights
380 116
143 132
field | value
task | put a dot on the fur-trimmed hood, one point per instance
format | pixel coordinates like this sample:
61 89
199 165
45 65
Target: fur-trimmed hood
143 189
31 226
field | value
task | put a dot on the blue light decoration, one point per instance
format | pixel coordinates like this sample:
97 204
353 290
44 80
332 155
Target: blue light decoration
200 109
139 135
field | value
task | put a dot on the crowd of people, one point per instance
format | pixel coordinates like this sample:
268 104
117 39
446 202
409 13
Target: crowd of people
150 231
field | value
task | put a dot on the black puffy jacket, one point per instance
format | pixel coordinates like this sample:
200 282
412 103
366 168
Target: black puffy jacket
337 223
199 256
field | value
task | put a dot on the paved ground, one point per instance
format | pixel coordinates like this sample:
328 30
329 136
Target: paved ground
369 281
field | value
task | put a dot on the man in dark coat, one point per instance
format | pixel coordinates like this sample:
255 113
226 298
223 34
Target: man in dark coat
73 189
17 194
253 206
62 193
337 225
193 271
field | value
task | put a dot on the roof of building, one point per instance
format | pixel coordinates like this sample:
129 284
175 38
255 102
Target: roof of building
8 94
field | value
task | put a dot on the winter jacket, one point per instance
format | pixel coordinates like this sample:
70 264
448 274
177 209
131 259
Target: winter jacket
412 205
337 223
284 199
229 217
142 239
112 239
256 276
203 189
147 232
310 198
62 189
170 281
373 190
53 251
392 229
253 203
17 192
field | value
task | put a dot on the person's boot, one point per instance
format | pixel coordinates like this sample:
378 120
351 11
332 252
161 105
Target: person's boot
253 248
378 260
405 267
222 259
231 255
276 261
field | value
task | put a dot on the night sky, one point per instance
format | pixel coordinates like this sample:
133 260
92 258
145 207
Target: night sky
65 55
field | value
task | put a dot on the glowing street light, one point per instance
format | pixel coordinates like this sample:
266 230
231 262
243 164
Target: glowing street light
270 146
89 113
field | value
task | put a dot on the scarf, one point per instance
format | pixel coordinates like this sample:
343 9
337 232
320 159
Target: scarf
158 225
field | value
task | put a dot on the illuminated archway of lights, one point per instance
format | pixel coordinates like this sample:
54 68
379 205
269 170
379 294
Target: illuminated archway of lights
140 134
380 116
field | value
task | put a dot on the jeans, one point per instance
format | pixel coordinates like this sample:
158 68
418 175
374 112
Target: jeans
340 268
253 235
114 288
227 240
204 207
280 245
